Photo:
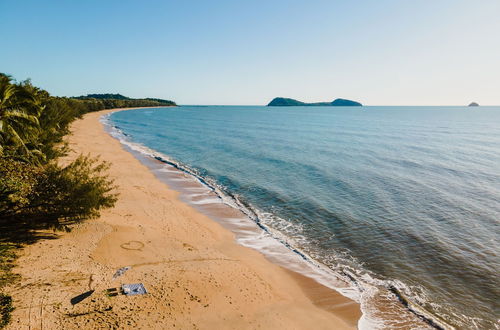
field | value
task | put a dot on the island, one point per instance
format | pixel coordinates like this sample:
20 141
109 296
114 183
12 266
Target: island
345 103
473 104
287 102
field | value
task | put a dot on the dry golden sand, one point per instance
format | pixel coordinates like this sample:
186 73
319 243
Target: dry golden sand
196 275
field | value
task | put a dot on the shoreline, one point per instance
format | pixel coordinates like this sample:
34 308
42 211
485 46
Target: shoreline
245 223
196 274
314 278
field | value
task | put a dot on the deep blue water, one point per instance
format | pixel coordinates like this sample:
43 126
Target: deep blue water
404 197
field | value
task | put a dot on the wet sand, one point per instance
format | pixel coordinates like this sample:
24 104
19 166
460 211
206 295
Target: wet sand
196 275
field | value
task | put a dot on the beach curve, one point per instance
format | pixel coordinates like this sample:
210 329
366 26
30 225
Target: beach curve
196 275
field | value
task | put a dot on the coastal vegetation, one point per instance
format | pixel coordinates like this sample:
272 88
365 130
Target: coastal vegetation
112 101
37 193
287 102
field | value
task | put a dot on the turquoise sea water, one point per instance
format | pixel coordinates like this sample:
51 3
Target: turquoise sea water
402 199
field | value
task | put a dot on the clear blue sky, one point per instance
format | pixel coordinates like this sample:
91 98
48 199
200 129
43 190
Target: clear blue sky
380 52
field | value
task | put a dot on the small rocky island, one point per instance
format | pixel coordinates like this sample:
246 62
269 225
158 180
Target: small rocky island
473 104
287 102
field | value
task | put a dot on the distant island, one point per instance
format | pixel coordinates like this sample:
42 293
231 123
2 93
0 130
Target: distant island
110 101
473 104
287 102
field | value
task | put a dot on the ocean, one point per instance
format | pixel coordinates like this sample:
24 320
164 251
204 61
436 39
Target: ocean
395 207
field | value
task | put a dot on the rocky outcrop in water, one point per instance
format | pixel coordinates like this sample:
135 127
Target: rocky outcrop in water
287 102
345 103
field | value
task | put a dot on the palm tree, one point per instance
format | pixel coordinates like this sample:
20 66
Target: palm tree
19 112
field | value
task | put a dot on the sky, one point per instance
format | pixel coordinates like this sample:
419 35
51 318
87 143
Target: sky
378 52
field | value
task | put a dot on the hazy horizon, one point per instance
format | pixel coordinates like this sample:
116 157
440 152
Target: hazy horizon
235 53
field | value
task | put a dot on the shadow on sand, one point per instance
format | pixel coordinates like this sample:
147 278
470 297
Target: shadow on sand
81 297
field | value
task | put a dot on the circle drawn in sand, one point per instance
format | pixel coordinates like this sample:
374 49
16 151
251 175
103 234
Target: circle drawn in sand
132 245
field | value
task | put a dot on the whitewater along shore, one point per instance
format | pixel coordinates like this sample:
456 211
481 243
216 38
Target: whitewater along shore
196 275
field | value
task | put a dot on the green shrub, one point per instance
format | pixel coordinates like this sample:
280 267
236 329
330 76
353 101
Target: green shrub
64 195
51 196
5 309
17 181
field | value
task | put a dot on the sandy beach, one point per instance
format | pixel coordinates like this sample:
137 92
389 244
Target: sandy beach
197 277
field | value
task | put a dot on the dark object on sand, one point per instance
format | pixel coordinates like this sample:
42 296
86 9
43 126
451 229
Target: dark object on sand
473 104
112 292
134 289
81 297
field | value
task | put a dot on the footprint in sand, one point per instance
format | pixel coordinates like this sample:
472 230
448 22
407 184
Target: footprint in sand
132 245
